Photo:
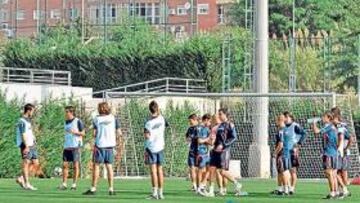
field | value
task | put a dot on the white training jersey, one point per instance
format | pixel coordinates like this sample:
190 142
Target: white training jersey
156 128
71 140
24 127
105 131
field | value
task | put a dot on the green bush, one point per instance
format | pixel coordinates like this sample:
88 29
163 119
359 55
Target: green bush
48 125
130 55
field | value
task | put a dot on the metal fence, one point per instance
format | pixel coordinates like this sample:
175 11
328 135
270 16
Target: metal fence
132 111
34 76
161 85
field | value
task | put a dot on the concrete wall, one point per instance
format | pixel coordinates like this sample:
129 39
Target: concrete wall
36 93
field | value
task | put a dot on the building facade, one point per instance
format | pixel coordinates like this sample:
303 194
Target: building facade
179 17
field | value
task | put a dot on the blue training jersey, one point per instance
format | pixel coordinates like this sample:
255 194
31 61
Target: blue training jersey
225 135
293 134
330 136
288 143
192 137
204 132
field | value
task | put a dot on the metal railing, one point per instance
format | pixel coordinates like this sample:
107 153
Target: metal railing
162 85
34 76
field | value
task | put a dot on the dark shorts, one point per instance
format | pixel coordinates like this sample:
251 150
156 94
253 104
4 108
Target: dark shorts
191 159
103 155
329 162
283 164
30 155
220 160
153 158
294 158
202 161
344 163
71 155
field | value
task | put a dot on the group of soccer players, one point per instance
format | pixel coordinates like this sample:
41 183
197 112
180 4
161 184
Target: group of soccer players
210 141
106 129
336 145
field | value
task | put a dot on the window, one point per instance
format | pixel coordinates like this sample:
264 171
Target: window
149 12
20 15
55 14
111 13
37 14
203 9
94 13
97 14
3 15
181 10
156 14
73 13
221 16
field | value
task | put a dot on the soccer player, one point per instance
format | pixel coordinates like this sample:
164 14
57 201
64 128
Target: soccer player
278 155
330 154
203 157
192 140
298 135
344 144
106 129
220 155
221 181
26 141
74 132
154 133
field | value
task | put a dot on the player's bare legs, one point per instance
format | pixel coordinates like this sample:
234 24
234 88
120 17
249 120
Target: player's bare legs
226 175
225 183
65 175
194 179
293 181
220 181
286 181
25 172
160 177
76 174
344 175
154 180
331 181
95 177
110 176
212 178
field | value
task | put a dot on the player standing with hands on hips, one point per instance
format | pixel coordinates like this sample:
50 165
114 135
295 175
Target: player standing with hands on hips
297 137
154 134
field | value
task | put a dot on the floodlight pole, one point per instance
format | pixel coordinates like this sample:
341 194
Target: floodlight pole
259 152
82 21
358 69
292 40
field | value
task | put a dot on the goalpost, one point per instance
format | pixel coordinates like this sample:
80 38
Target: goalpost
245 112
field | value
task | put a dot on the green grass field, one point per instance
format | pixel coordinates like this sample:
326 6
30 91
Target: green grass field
176 191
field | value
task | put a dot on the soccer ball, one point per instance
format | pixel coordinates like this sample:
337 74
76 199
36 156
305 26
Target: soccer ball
57 171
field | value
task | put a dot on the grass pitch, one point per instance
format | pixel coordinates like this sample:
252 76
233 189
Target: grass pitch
176 191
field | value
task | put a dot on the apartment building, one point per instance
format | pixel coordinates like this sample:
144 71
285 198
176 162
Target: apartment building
180 17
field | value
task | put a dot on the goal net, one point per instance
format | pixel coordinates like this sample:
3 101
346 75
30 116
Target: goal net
132 109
